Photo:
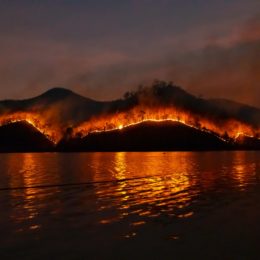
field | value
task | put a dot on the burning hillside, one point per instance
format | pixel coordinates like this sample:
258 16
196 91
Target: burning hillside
60 114
35 120
148 135
228 128
23 137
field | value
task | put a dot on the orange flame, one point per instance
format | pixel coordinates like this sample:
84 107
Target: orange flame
107 122
232 128
35 120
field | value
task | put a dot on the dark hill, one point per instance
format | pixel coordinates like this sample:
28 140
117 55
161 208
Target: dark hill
147 136
23 137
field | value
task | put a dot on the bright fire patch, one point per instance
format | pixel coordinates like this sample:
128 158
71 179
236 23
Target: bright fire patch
54 131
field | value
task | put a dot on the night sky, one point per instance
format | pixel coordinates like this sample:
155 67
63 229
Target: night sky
103 48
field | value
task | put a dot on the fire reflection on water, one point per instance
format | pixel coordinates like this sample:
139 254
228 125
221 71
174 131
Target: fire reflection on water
131 188
240 167
28 203
28 209
153 195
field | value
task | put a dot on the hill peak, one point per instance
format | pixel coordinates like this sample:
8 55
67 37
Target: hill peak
58 92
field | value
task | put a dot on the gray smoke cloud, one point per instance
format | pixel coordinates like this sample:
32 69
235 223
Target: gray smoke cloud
223 67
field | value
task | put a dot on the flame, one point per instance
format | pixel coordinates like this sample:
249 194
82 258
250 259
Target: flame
36 121
225 129
107 122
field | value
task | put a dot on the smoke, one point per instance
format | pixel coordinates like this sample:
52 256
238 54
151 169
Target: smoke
220 67
227 67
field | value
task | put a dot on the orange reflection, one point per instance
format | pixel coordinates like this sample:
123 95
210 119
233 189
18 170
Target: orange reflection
120 166
242 168
30 178
152 195
26 166
119 173
133 188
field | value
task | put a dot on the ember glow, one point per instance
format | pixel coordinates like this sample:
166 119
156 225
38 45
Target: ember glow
228 128
108 122
34 119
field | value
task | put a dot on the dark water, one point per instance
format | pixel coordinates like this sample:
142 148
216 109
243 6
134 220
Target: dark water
177 205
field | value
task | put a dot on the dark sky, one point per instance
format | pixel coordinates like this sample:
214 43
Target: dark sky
102 48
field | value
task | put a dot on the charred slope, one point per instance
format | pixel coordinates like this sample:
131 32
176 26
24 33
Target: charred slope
23 137
147 136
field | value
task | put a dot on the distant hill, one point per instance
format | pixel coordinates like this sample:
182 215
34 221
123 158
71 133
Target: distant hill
23 137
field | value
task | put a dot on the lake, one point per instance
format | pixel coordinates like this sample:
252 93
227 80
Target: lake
125 205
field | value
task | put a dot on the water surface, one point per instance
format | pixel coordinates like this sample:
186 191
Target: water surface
124 205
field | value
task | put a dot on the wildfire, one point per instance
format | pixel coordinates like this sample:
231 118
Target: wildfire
241 134
54 132
35 120
224 130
